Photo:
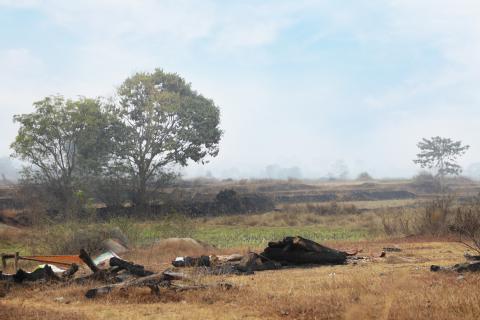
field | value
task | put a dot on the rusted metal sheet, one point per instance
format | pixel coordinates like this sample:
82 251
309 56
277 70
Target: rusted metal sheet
58 260
65 260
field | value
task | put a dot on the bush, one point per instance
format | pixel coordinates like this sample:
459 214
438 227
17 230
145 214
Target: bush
399 222
426 182
432 219
467 224
364 176
332 208
70 238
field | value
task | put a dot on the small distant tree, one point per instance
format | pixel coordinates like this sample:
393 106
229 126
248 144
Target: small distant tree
364 176
441 154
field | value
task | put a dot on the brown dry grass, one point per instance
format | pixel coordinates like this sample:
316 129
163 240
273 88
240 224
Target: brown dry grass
370 221
8 312
158 256
398 287
8 233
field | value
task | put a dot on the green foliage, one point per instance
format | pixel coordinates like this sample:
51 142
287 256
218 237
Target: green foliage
162 122
173 225
258 237
128 227
63 140
117 152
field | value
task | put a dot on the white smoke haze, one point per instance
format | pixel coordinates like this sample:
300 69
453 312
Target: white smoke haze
301 84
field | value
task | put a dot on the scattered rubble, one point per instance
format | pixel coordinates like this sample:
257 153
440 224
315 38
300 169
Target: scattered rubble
472 265
110 272
470 257
116 273
291 251
460 267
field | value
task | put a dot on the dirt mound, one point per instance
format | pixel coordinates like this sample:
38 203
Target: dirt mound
12 217
184 246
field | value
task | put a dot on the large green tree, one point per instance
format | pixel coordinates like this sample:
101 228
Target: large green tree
62 140
164 122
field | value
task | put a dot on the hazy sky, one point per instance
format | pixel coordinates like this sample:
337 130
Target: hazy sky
299 83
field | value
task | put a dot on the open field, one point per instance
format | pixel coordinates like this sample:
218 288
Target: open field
312 159
399 286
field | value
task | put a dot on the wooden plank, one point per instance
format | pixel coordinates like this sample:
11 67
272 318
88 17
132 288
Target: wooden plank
15 261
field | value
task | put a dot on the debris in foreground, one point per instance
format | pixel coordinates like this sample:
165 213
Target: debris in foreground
298 250
460 267
119 274
470 257
291 251
109 272
472 265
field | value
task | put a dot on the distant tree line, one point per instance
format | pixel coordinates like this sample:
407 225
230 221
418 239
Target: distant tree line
116 149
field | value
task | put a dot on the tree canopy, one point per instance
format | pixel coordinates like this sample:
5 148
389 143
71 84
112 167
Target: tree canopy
156 121
163 122
62 139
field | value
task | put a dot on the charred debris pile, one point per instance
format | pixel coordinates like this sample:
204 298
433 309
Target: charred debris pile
109 272
289 252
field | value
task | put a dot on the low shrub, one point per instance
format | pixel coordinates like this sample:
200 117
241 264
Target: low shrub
71 237
425 182
432 219
435 218
467 224
364 176
331 208
397 223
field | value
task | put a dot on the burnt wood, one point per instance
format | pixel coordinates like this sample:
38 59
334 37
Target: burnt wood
135 269
45 273
152 281
298 250
88 260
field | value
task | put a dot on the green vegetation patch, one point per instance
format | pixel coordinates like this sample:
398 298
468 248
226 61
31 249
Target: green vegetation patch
227 236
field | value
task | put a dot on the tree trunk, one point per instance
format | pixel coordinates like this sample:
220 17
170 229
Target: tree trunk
141 194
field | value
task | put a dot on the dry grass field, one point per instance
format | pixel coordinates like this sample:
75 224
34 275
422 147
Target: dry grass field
399 286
